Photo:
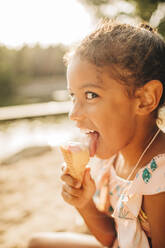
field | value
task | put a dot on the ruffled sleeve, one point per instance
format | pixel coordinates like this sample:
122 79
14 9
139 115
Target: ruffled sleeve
148 181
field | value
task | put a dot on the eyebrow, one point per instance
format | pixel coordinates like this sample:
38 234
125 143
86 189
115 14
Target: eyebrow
92 85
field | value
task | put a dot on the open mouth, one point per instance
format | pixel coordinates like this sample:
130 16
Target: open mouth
93 135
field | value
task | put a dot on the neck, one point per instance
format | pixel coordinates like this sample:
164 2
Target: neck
137 146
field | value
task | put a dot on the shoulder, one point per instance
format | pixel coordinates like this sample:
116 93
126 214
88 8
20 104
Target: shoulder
151 178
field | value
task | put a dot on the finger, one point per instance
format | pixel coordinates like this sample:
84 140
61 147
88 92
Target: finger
69 199
65 171
66 196
68 179
88 182
72 191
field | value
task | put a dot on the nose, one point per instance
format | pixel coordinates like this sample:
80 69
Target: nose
76 113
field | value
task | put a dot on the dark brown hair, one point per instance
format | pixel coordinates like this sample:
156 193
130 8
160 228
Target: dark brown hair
136 54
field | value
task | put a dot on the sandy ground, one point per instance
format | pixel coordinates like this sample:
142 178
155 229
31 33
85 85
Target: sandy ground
30 197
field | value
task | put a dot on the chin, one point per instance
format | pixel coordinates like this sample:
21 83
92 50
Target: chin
104 155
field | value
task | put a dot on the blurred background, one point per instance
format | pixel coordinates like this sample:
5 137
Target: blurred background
34 104
36 34
34 37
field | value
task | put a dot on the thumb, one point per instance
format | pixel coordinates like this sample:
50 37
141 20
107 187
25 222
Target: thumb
88 181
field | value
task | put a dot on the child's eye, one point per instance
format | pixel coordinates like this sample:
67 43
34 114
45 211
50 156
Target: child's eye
90 95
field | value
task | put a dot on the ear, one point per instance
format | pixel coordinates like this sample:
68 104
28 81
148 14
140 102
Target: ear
148 97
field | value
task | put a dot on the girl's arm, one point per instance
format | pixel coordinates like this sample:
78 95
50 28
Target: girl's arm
154 206
100 225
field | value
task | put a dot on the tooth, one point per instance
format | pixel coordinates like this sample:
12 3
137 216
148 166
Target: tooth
86 131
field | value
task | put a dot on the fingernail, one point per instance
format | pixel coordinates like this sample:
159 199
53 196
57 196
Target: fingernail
78 184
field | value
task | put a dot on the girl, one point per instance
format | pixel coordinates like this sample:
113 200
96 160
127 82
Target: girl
116 77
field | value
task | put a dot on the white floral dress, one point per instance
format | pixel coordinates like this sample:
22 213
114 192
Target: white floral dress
122 199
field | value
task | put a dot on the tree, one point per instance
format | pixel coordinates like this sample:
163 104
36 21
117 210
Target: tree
7 88
144 9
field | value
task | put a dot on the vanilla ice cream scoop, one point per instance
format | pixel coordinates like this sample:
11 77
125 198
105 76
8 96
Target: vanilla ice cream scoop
76 156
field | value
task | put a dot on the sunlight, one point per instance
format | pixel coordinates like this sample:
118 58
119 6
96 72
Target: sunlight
42 21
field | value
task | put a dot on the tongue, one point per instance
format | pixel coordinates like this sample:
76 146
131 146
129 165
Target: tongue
93 143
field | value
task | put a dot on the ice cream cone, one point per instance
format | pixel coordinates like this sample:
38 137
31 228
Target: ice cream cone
76 157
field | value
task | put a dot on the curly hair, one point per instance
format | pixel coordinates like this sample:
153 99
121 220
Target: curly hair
136 54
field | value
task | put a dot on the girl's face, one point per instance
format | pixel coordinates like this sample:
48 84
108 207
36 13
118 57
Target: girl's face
101 107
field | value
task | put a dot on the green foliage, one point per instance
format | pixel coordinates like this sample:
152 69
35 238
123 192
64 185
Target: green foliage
6 76
17 67
145 8
161 27
6 89
96 2
38 61
21 66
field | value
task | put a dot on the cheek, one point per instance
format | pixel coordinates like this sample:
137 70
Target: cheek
112 119
113 139
117 128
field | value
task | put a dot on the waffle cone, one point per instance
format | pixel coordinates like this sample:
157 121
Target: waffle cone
76 161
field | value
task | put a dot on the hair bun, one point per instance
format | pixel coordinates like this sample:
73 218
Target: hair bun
147 27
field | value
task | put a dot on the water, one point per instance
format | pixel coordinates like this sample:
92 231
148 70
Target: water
18 134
